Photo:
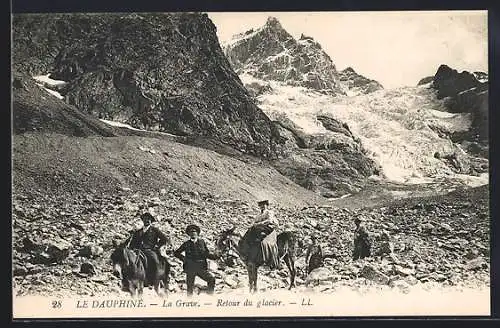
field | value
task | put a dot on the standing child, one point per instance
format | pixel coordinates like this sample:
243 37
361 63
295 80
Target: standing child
195 259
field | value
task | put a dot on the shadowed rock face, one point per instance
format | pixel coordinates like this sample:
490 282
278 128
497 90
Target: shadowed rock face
162 72
449 82
468 93
271 53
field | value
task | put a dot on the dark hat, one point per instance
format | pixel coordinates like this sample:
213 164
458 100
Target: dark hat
193 227
147 217
358 219
263 202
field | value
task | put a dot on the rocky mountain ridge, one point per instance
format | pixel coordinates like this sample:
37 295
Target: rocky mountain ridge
271 53
166 73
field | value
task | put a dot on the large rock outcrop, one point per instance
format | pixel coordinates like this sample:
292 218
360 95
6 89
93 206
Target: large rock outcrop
163 72
465 93
271 53
332 164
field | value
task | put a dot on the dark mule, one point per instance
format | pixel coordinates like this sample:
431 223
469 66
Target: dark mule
252 255
133 268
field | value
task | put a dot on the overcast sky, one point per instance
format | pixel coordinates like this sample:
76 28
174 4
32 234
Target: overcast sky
394 48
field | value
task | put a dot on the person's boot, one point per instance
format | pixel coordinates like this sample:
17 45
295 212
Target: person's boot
210 289
125 285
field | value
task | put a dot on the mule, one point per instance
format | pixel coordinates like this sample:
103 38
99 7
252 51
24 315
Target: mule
132 267
253 258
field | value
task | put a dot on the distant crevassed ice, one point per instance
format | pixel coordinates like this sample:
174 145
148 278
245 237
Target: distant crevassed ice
395 126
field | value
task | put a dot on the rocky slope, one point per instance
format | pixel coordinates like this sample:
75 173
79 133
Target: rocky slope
333 163
271 53
166 73
163 72
65 165
35 109
464 92
62 244
357 84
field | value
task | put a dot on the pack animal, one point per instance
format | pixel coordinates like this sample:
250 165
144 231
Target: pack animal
135 272
252 256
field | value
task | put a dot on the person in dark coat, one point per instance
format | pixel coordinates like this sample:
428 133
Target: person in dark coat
314 255
149 239
195 258
362 244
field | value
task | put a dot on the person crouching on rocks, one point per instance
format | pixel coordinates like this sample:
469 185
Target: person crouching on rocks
362 244
195 258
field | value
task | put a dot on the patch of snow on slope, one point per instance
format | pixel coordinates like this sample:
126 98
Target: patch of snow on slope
127 126
425 85
44 80
49 81
52 92
120 125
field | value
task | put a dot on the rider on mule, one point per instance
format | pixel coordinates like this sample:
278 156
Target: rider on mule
265 226
149 240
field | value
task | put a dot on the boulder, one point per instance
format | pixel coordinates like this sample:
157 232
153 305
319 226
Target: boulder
91 251
233 283
58 249
411 280
87 269
475 264
30 246
471 254
318 275
400 284
427 227
372 274
19 270
399 270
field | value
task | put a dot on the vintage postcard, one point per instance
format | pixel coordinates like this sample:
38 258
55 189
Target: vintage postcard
250 164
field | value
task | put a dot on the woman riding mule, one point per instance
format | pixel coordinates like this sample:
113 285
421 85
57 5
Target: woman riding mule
264 231
261 245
